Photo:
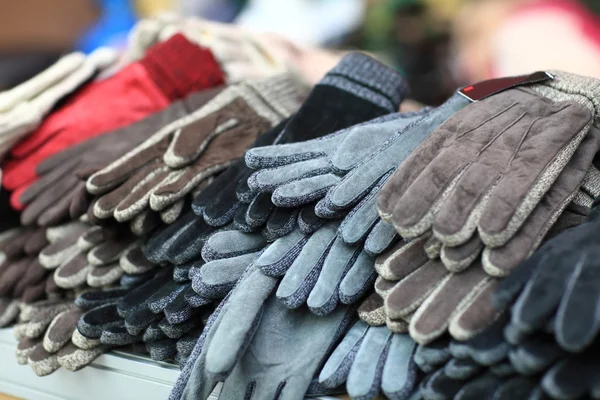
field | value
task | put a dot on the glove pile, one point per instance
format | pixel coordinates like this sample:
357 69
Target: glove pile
291 241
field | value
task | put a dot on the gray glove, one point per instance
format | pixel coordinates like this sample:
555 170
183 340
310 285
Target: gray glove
370 360
251 338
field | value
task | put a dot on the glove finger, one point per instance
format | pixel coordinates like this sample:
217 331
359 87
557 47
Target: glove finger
280 255
409 293
358 280
133 261
95 298
402 259
42 362
324 295
162 350
137 199
357 224
104 275
462 369
9 311
216 278
535 356
179 310
475 317
172 212
179 183
156 247
72 358
439 385
364 379
570 378
458 258
93 322
219 245
501 261
268 180
131 189
479 387
73 272
137 298
380 239
303 273
576 323
304 191
144 223
218 202
12 275
541 296
61 330
453 294
130 166
45 80
432 356
164 296
372 310
46 184
109 251
259 210
59 212
239 321
335 371
281 222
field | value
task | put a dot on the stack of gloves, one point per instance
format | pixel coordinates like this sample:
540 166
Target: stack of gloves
293 242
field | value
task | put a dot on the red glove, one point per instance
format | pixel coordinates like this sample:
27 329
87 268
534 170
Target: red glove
169 71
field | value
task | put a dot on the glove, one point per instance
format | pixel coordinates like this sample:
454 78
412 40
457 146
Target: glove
370 360
249 316
416 204
243 55
151 84
556 286
61 192
151 175
26 105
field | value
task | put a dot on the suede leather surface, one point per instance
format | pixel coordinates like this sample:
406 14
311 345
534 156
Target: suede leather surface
370 360
460 180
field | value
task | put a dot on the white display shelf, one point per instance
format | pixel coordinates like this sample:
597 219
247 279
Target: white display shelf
113 376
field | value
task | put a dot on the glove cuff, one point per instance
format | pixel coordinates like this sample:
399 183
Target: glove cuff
567 86
179 67
368 78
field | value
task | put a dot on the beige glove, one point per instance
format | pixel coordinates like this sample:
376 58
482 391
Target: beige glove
23 108
243 55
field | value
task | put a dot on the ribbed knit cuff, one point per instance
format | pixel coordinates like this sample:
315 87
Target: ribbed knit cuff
567 86
282 92
368 78
179 67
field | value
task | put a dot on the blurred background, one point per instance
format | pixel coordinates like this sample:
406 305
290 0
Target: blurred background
436 44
